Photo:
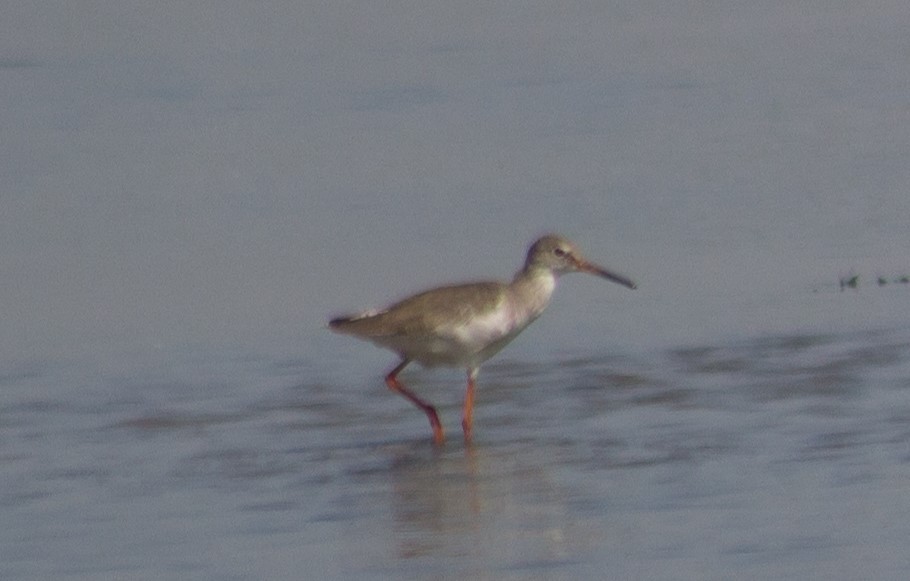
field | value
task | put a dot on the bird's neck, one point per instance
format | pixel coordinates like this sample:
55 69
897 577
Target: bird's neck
531 290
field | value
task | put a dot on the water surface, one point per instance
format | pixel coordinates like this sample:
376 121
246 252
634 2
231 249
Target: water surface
190 191
783 456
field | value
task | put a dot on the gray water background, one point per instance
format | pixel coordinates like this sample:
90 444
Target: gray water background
189 190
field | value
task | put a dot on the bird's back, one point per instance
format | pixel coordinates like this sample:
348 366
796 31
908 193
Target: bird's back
426 312
442 326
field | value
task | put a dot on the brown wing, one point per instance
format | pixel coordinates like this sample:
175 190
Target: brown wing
424 313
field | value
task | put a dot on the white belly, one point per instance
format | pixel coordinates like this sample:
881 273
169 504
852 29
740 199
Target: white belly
463 344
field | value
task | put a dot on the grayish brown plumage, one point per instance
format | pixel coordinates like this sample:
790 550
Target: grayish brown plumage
464 325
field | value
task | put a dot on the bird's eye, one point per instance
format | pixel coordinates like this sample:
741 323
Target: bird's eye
559 252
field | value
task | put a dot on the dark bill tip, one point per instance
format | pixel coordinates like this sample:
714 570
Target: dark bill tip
612 276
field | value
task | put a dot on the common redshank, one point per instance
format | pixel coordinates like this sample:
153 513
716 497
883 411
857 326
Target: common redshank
464 325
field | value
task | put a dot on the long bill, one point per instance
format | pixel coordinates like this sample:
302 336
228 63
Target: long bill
591 268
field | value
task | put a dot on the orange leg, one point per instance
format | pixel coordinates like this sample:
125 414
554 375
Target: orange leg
392 381
467 420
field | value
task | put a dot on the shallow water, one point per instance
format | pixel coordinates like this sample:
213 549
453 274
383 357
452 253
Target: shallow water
190 190
783 456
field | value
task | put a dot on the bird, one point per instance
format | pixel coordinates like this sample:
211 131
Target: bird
464 325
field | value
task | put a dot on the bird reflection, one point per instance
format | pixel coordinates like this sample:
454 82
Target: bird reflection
488 505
